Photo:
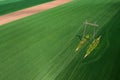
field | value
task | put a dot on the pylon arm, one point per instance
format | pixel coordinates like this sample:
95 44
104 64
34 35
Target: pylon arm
90 24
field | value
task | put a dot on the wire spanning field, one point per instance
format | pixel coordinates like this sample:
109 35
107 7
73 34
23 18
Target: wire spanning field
42 46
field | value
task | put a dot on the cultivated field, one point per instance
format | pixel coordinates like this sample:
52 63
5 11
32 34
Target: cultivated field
42 46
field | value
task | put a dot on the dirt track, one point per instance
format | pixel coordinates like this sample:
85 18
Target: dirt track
29 11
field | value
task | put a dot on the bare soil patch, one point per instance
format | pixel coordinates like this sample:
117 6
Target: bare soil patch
29 11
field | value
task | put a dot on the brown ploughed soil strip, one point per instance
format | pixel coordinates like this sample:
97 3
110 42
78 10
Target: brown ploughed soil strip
29 11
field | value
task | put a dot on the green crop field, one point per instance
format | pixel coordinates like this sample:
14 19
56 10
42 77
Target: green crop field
42 46
8 6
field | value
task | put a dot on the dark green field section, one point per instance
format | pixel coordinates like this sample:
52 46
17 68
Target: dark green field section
18 5
42 46
3 2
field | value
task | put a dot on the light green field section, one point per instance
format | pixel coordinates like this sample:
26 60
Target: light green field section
42 46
